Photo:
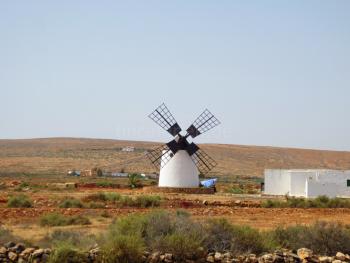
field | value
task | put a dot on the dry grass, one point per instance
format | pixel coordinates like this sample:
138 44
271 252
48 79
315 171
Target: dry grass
57 155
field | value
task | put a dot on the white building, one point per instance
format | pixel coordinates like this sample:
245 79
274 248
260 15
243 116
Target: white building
307 183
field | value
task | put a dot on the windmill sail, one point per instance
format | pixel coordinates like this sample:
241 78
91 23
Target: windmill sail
205 122
165 119
203 161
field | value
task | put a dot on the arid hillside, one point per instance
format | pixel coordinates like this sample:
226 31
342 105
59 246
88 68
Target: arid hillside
57 155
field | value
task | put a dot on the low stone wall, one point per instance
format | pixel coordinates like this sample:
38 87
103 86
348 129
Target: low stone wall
204 191
11 252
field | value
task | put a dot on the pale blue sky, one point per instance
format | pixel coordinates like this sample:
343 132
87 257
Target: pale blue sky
274 72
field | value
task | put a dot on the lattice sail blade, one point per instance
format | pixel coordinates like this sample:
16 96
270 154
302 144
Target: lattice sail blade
165 119
205 122
160 156
203 161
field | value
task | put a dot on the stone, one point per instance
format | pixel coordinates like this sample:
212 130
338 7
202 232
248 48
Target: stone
336 261
38 253
154 257
27 251
325 259
268 258
45 257
168 256
205 202
12 256
210 259
304 253
218 256
340 256
9 244
3 250
17 248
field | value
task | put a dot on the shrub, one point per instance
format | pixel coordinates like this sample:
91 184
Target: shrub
19 201
223 236
53 219
6 236
96 205
219 235
248 240
182 245
125 201
56 219
134 180
95 197
78 220
65 252
323 237
123 249
147 201
71 203
112 197
319 202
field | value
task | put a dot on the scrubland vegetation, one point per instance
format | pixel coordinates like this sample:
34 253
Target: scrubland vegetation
319 202
128 237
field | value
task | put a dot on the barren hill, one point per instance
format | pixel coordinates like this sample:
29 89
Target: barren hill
57 155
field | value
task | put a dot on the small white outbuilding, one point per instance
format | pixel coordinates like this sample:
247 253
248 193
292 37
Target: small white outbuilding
307 183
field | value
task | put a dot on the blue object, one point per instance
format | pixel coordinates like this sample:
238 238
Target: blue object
209 183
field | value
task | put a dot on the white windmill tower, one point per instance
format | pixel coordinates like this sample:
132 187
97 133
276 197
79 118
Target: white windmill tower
181 162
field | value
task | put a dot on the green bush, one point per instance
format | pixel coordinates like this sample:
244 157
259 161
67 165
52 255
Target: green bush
325 238
123 249
134 180
78 220
65 252
71 203
319 202
6 236
223 236
53 219
19 201
147 201
96 205
56 219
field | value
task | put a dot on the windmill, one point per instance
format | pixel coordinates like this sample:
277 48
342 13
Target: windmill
180 161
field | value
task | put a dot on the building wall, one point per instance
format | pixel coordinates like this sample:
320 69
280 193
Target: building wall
298 180
277 182
307 183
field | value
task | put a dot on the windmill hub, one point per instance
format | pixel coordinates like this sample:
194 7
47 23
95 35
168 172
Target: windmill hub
180 161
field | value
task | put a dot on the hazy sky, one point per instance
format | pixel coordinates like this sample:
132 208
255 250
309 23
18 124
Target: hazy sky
274 72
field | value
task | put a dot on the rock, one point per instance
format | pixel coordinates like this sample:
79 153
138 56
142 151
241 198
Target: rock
340 256
45 257
12 256
38 253
278 259
336 261
162 257
3 250
205 202
9 244
267 258
27 251
17 248
154 257
218 256
210 259
304 253
168 256
325 259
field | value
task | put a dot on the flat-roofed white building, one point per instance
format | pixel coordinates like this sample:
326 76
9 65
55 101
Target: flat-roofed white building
307 183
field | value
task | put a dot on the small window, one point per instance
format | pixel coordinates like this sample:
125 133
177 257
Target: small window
348 183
